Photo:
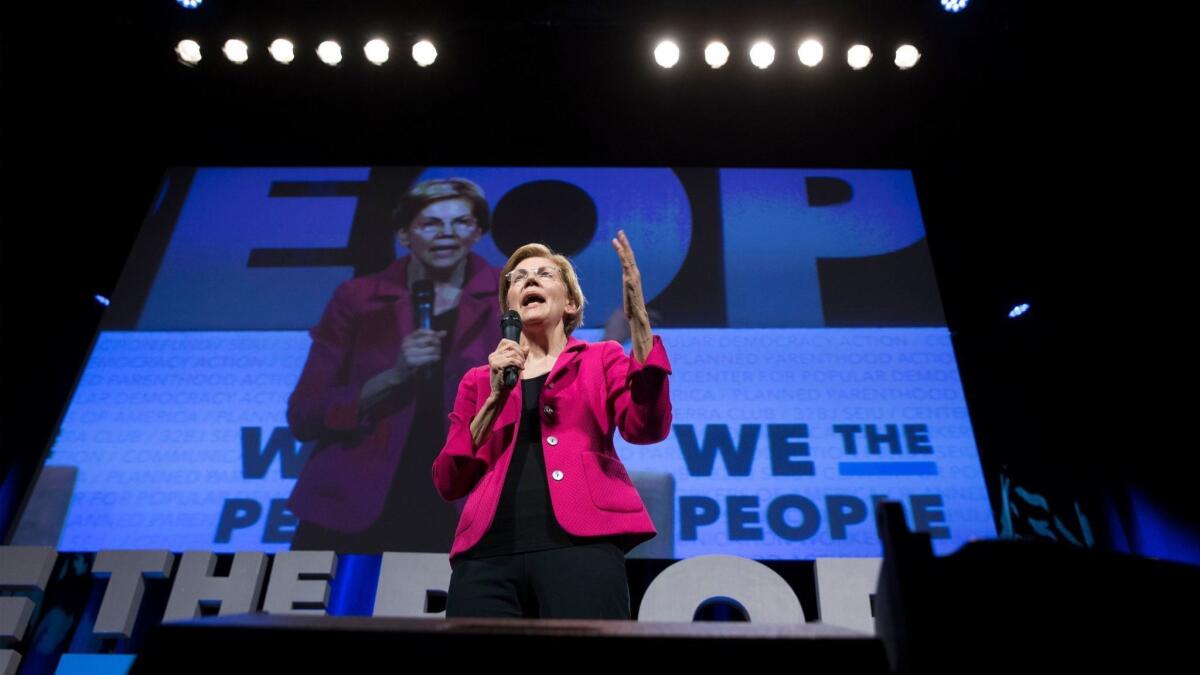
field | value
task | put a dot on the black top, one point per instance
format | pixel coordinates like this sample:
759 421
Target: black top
525 519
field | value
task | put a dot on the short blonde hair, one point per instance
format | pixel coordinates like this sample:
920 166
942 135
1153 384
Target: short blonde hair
440 189
565 268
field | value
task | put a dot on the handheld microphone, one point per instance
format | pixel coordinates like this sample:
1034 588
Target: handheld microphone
422 296
510 329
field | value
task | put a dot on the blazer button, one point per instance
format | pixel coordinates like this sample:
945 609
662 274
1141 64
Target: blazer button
548 410
552 440
558 475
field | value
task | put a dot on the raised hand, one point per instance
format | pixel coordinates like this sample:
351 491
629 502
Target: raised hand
632 300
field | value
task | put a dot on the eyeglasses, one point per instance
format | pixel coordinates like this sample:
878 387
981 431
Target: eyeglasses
542 273
460 226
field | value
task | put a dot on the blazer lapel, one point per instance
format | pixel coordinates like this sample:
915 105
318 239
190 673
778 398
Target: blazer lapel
567 363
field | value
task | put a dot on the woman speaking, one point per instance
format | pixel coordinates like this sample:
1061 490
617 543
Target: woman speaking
380 377
551 510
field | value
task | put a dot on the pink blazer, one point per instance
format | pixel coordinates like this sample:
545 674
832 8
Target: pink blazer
593 390
345 482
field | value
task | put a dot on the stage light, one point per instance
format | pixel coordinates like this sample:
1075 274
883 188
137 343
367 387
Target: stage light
283 51
907 56
858 56
424 53
188 51
376 51
1018 310
666 54
189 4
330 52
954 5
102 300
762 54
716 54
236 51
810 52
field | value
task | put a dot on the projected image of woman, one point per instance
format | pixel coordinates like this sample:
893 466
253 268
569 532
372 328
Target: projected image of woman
376 387
551 510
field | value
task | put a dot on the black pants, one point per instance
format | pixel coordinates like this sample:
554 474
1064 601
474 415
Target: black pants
586 581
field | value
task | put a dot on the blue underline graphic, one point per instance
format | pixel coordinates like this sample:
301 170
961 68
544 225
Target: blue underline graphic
887 469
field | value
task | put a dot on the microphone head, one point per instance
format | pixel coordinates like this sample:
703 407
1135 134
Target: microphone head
510 325
422 290
511 318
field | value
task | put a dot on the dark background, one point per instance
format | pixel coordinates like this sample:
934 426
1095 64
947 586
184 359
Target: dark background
96 108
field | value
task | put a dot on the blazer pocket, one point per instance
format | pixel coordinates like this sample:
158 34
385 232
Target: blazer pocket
609 484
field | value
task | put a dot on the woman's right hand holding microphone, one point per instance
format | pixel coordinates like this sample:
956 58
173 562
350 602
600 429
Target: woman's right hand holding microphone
508 353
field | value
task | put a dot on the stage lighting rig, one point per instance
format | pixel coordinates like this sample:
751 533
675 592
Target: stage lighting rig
424 53
329 52
236 51
858 56
282 51
666 54
762 54
716 54
810 52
